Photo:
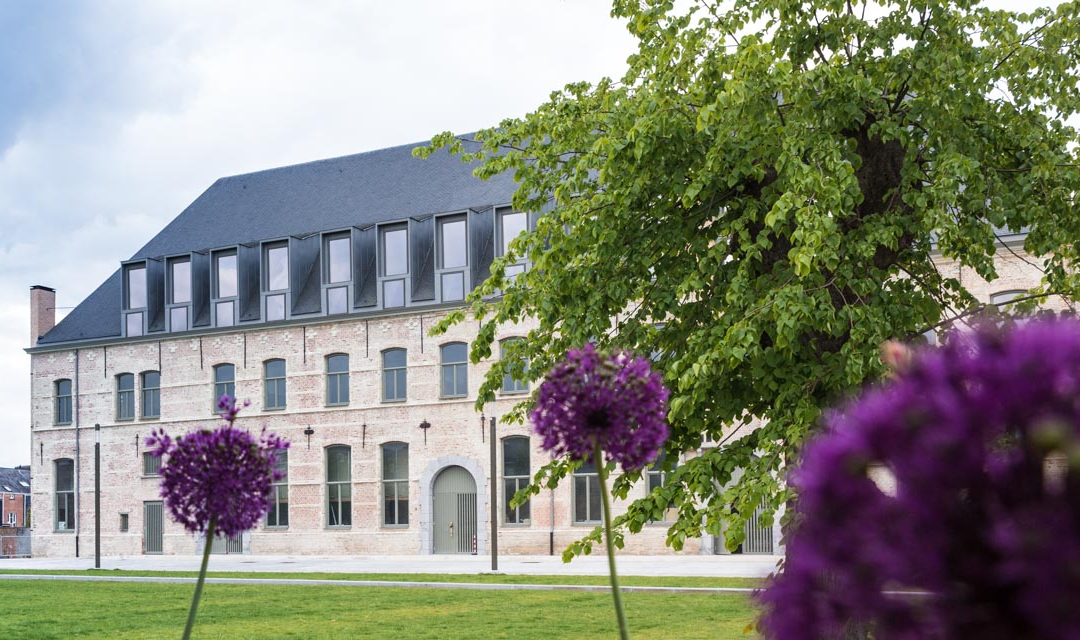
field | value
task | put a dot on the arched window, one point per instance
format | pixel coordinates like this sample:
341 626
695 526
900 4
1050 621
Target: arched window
454 382
125 396
337 379
151 394
395 375
278 515
510 383
224 383
516 474
64 506
395 481
274 384
587 501
62 404
338 486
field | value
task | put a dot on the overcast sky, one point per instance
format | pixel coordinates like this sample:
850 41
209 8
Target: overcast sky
114 115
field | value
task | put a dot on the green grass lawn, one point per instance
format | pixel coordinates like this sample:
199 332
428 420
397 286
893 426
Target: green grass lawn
41 610
481 578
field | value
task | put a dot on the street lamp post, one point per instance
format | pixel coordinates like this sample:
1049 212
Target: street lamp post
494 501
97 496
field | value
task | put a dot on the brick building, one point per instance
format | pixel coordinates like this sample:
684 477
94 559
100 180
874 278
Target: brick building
309 290
15 497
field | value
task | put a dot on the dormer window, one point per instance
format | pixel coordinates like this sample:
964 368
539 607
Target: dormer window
225 288
338 272
452 258
179 294
511 224
394 264
135 300
276 284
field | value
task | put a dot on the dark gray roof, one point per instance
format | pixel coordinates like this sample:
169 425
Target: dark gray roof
15 480
357 190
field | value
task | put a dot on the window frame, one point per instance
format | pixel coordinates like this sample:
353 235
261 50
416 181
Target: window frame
401 376
149 396
385 278
172 305
333 377
329 484
268 293
519 482
131 312
462 366
279 384
218 300
67 495
396 485
63 401
520 265
329 285
442 270
279 503
657 476
125 394
151 465
228 386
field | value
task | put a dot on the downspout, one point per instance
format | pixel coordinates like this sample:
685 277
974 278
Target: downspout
551 534
78 458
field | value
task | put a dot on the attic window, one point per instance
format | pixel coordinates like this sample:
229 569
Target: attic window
23 483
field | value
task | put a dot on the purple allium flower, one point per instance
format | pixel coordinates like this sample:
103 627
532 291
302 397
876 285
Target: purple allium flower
615 401
224 474
981 439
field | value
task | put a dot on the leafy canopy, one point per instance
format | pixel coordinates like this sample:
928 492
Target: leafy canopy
759 200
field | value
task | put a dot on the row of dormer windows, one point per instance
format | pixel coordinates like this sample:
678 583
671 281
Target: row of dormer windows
453 383
239 286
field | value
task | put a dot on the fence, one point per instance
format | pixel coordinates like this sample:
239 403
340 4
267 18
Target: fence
14 542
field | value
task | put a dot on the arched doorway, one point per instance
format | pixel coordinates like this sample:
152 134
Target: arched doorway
454 511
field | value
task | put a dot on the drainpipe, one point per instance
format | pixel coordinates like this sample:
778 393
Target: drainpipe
551 534
78 458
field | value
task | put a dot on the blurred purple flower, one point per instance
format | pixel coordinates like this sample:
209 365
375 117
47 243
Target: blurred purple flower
976 524
615 401
223 474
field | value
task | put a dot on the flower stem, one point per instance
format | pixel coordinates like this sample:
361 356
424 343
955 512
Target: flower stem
202 577
616 593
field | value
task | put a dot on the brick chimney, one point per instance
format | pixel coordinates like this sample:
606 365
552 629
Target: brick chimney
42 312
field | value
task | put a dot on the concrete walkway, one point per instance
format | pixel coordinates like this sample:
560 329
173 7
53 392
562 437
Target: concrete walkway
733 566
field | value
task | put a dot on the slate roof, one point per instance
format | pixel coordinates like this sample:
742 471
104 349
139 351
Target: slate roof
15 480
357 190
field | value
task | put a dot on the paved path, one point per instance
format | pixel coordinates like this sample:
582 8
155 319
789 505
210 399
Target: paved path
736 566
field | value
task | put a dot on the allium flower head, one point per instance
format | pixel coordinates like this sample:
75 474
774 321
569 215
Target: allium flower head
981 441
616 401
225 474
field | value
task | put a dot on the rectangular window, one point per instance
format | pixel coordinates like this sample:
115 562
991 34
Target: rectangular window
151 394
338 259
224 314
513 271
455 371
133 324
275 307
337 300
453 286
337 379
11 518
178 319
395 375
659 478
277 267
151 464
338 487
394 293
64 474
395 484
180 281
274 384
587 494
515 478
136 287
63 402
125 396
452 243
225 275
511 225
395 251
123 523
279 508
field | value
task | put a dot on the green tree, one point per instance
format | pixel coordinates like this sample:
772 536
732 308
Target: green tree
758 201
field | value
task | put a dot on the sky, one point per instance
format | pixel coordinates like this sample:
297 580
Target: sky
115 115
